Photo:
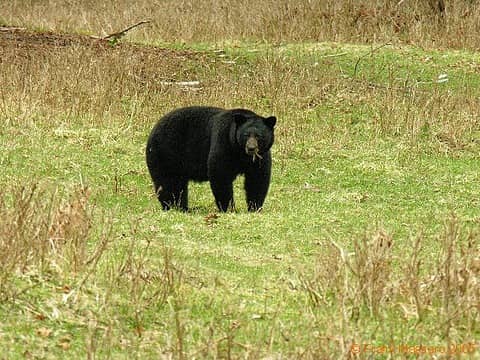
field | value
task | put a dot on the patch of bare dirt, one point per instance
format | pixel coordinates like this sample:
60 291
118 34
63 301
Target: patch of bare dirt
139 64
20 39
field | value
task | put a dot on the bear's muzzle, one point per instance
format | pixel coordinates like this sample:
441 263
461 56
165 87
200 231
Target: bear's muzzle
251 148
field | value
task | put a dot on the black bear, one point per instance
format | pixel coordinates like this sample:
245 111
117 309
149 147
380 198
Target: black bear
203 143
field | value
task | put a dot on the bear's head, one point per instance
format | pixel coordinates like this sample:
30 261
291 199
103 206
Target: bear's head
253 134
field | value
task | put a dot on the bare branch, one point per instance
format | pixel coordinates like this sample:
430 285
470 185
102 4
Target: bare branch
120 34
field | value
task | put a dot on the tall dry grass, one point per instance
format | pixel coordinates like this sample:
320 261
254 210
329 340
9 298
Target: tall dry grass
42 233
70 80
371 281
421 22
52 252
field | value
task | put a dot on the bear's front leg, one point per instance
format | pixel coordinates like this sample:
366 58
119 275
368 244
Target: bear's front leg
223 192
221 182
257 182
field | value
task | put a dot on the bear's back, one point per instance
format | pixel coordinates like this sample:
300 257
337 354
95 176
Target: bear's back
180 141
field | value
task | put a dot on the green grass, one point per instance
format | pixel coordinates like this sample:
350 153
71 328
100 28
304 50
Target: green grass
354 156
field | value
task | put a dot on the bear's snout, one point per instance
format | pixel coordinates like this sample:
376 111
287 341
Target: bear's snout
251 147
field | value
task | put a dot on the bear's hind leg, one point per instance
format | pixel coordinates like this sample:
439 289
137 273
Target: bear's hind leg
172 192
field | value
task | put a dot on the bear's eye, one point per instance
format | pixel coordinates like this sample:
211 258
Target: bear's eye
256 135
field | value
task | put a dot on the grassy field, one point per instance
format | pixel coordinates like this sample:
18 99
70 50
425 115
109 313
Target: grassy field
369 241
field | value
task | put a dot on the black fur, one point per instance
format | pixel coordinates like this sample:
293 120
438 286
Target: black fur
210 144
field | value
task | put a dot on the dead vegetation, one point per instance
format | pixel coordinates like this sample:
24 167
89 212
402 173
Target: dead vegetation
453 23
364 283
41 232
49 246
76 76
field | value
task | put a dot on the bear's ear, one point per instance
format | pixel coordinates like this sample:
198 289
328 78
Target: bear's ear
270 121
239 118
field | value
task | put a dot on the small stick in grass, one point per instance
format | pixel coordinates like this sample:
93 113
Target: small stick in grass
119 34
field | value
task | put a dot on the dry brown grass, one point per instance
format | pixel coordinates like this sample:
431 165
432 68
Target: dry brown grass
443 295
74 77
49 247
417 22
39 231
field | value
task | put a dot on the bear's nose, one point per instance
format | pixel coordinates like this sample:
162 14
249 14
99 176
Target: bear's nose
251 146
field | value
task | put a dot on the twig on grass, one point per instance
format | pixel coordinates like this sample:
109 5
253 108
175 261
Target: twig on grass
119 34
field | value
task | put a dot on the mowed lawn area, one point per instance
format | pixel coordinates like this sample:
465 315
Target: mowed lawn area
368 245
